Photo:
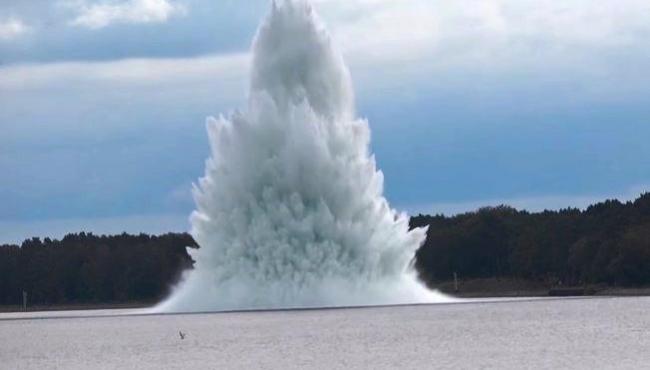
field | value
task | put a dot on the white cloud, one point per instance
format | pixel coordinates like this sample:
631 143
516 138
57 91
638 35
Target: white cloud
597 49
100 15
132 72
393 46
96 96
384 29
480 32
12 28
395 43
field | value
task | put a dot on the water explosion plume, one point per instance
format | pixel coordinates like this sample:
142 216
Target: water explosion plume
290 212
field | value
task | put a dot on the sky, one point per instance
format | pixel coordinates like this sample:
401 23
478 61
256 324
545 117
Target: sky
534 103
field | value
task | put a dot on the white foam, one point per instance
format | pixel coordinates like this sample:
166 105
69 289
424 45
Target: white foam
291 211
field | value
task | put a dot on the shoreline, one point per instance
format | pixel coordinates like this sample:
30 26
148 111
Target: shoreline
475 288
78 307
512 288
99 313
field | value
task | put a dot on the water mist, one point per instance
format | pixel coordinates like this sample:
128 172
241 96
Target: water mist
290 212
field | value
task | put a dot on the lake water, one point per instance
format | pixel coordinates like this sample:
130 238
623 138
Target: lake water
598 333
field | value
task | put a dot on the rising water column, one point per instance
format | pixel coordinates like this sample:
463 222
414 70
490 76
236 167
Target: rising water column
290 212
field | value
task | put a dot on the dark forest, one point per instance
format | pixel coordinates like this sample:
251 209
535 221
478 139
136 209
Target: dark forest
608 243
88 269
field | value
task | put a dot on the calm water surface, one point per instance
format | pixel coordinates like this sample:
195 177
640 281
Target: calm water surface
604 333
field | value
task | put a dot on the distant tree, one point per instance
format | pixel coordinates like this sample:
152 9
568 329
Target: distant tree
85 268
607 243
631 266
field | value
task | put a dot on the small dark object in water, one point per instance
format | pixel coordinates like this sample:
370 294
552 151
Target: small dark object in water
181 334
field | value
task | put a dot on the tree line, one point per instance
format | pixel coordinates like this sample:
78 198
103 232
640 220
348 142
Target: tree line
608 243
86 268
